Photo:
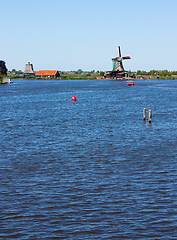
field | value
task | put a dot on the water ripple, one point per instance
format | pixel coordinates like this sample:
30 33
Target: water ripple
90 169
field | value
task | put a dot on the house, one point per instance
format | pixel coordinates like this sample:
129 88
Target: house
47 73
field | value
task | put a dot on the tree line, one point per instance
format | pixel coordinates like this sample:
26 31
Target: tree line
157 73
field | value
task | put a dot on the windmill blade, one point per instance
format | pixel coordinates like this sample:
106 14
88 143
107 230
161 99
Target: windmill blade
119 52
127 57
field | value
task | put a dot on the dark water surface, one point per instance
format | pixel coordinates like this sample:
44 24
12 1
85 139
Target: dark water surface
90 169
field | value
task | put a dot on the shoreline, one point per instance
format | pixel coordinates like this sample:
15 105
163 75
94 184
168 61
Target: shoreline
82 77
120 79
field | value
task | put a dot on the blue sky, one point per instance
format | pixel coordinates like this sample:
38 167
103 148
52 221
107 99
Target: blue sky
68 35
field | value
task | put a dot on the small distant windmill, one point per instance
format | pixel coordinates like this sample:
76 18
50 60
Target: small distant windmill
29 71
117 62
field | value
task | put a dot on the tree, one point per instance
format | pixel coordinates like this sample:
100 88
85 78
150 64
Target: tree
79 71
144 73
163 73
152 72
19 72
138 72
101 73
174 73
3 69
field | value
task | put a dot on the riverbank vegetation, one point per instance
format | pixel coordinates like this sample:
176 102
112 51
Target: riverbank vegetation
80 74
161 74
3 69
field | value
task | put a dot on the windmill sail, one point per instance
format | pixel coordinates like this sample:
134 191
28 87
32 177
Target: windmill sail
119 52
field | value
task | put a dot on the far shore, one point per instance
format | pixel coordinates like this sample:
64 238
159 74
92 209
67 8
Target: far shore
95 77
55 79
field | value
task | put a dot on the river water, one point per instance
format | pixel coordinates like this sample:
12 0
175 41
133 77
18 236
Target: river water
90 169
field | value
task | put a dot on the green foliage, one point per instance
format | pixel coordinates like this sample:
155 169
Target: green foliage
3 69
102 73
138 72
152 72
144 73
165 74
79 71
19 72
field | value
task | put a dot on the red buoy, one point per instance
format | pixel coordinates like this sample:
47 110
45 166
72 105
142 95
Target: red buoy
73 98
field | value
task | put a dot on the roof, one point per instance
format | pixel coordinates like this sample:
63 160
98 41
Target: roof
46 73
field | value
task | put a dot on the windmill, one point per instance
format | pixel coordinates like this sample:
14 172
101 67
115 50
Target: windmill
29 71
118 69
117 62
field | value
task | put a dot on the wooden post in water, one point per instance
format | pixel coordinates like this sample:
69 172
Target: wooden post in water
150 115
144 114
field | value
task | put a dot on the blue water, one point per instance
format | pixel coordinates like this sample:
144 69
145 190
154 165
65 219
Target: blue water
90 169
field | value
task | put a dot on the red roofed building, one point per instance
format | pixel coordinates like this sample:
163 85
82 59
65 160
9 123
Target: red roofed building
47 73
